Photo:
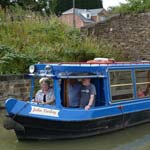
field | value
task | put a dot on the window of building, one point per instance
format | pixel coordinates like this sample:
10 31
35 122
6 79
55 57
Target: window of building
142 83
121 85
102 18
88 16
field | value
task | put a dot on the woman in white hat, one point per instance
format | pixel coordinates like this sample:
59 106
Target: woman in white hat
46 94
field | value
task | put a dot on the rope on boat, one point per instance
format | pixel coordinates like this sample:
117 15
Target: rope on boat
123 116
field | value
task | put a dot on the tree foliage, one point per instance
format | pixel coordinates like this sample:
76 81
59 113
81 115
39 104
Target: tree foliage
52 6
4 3
12 61
41 39
133 6
63 5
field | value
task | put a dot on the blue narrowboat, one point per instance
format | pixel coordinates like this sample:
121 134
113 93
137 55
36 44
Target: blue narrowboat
118 102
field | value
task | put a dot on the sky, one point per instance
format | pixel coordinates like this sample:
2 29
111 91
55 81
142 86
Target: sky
110 3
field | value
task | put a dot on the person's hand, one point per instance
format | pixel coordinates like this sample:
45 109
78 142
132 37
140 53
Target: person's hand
34 101
42 102
87 107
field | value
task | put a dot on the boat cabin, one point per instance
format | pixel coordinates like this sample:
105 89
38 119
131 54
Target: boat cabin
122 100
115 82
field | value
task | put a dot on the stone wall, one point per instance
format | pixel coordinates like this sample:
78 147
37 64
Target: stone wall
129 33
16 86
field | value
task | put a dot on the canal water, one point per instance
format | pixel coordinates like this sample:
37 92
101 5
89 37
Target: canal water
135 138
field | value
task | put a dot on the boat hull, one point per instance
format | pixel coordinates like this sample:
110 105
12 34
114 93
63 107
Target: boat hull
37 129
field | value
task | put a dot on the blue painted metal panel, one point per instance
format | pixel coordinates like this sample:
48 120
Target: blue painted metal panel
57 93
69 114
32 89
109 109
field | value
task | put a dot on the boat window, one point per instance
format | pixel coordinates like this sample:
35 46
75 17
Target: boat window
37 84
66 89
121 85
142 83
43 91
72 88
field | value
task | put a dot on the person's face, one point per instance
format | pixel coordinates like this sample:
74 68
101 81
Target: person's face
86 82
44 86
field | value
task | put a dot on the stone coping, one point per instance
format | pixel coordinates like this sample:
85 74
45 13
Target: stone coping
9 77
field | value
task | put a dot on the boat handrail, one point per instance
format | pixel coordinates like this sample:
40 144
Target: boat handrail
68 76
81 77
116 85
42 75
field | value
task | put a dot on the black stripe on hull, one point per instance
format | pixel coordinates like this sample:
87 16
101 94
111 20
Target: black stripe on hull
47 129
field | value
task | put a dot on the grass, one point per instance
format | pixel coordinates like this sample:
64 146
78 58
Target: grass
33 38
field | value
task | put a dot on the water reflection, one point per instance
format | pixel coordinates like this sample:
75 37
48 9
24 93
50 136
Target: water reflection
136 138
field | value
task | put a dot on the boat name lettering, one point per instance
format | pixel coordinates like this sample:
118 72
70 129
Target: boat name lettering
44 111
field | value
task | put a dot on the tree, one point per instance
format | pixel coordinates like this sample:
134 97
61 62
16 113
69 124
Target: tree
63 5
27 4
4 3
136 6
53 6
47 6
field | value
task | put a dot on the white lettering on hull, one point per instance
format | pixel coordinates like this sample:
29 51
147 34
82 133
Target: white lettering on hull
44 111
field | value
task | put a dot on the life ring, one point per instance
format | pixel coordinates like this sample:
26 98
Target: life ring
101 61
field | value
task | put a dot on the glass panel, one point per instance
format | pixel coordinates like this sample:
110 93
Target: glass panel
44 91
142 83
142 76
71 92
122 92
121 85
120 77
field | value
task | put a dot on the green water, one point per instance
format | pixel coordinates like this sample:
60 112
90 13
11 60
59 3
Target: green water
136 138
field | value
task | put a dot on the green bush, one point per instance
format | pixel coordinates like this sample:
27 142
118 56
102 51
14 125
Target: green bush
133 6
45 39
12 61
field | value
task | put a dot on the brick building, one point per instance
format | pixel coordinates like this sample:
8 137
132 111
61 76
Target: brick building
83 17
